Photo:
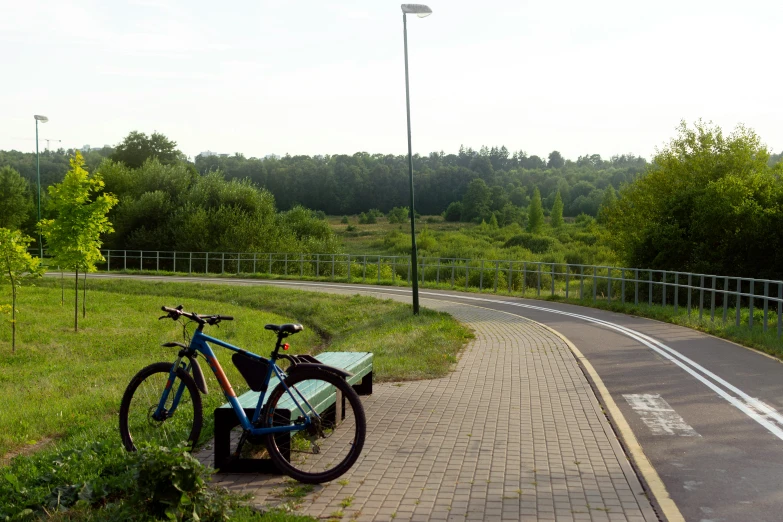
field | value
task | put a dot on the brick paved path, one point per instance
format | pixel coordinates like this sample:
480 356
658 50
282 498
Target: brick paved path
515 433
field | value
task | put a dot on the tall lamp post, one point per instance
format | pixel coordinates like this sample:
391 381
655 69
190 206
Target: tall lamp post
421 11
42 119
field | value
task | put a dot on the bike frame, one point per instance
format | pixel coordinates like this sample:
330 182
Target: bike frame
199 344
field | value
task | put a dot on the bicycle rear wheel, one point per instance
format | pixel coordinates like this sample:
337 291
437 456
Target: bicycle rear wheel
141 399
330 445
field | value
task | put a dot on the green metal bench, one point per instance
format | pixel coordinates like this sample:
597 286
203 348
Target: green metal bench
358 363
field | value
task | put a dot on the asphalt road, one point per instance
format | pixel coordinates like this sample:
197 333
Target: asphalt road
705 411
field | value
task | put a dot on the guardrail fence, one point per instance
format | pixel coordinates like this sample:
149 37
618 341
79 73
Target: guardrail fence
731 298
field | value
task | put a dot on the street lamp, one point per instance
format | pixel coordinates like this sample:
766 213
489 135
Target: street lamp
421 11
42 119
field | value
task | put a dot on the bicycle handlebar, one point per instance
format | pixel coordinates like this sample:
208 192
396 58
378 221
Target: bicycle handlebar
176 313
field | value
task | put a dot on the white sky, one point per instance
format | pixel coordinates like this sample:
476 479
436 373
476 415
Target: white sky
327 77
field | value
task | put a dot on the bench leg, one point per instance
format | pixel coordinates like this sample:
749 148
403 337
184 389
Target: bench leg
365 387
225 421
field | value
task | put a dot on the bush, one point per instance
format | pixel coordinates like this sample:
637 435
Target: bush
533 242
454 212
398 215
102 481
344 220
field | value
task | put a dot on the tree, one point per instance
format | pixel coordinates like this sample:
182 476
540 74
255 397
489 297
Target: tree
475 202
535 214
556 160
453 212
709 203
136 148
16 265
398 215
609 199
74 235
557 211
15 199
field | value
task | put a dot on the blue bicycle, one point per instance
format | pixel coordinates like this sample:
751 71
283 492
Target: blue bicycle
312 424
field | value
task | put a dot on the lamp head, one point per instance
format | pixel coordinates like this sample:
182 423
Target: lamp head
42 119
419 10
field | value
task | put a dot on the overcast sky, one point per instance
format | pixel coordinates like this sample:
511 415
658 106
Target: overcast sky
327 77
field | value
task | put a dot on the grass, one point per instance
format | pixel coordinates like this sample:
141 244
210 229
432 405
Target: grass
69 384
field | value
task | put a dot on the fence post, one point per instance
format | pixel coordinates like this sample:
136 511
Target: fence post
725 298
318 265
254 262
332 267
676 290
394 270
567 272
108 260
497 272
650 293
766 303
622 286
481 277
222 262
780 308
124 259
452 274
663 288
409 270
689 294
712 303
609 284
553 279
364 269
157 261
538 285
701 297
750 307
379 269
301 265
524 277
510 276
739 301
349 268
467 273
270 263
595 282
285 264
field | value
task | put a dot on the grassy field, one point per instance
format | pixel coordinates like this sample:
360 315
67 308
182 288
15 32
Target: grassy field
69 384
60 390
577 241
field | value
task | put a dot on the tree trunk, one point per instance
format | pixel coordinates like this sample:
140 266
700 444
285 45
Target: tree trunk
76 305
84 296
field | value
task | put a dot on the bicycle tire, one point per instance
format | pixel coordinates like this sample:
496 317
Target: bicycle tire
135 416
345 438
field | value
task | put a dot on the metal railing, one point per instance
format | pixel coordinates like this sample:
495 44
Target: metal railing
738 295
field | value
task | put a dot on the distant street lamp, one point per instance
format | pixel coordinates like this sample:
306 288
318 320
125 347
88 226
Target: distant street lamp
421 11
42 119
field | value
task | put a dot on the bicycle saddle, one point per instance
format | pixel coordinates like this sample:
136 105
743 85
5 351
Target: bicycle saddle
285 328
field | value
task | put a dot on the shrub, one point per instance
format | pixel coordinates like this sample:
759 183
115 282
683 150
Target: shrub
344 220
398 215
533 242
453 212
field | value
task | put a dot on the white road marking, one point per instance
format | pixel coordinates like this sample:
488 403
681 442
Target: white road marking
659 416
757 410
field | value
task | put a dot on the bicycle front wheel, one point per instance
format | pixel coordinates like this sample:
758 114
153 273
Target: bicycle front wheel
330 443
179 421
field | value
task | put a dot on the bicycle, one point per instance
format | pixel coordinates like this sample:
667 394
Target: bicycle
162 404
